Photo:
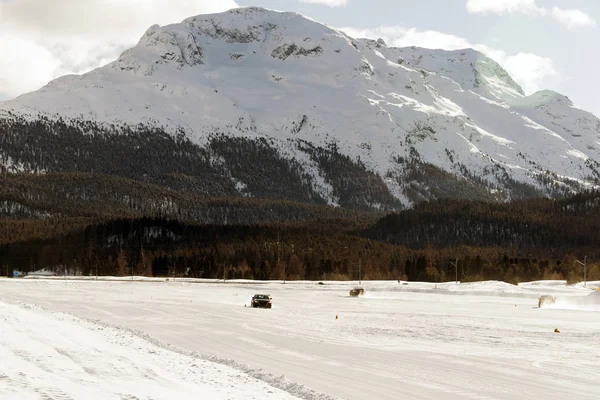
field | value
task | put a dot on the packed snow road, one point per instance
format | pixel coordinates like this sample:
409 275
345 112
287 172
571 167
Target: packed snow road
415 341
54 356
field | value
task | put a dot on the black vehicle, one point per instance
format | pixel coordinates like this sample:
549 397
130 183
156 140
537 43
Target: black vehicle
262 301
358 291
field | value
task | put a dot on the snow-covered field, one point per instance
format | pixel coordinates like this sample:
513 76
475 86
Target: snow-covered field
62 339
48 355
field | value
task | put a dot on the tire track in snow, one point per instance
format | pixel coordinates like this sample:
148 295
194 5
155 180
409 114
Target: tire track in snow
40 364
50 355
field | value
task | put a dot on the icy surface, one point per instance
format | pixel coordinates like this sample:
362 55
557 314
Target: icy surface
49 355
483 340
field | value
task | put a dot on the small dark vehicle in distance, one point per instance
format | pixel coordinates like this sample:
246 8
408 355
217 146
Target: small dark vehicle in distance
262 301
357 292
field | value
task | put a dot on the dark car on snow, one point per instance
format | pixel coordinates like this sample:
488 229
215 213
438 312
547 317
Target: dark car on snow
262 301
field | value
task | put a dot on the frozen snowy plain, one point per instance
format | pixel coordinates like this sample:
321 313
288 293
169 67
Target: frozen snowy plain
117 339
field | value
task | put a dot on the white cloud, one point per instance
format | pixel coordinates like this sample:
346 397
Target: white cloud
502 7
573 18
24 65
101 18
529 70
329 3
570 18
398 36
43 39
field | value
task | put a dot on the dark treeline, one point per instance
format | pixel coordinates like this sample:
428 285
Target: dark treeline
108 197
542 227
223 167
322 251
158 247
90 162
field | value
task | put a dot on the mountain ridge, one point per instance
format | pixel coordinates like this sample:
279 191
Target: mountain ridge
359 124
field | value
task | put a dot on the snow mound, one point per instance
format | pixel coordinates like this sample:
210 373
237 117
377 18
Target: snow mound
544 283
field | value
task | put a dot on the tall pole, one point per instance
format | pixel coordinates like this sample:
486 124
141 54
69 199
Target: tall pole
359 271
585 271
285 267
143 259
455 264
584 264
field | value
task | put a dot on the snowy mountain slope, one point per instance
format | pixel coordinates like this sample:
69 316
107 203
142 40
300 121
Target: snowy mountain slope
557 113
444 119
469 68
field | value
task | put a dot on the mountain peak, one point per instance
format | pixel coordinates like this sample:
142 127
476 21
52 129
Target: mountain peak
250 11
310 93
544 100
183 44
468 67
544 97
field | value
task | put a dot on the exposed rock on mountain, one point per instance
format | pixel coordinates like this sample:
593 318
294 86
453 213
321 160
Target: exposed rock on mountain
258 103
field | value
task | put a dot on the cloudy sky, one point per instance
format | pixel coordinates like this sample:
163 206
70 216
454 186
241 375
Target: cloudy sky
544 44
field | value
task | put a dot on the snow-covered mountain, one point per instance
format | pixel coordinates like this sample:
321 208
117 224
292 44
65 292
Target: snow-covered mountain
255 96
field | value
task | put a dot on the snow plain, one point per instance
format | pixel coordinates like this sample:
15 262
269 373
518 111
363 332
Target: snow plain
48 355
60 339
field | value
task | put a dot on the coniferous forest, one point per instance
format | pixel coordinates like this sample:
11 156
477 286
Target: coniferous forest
517 241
